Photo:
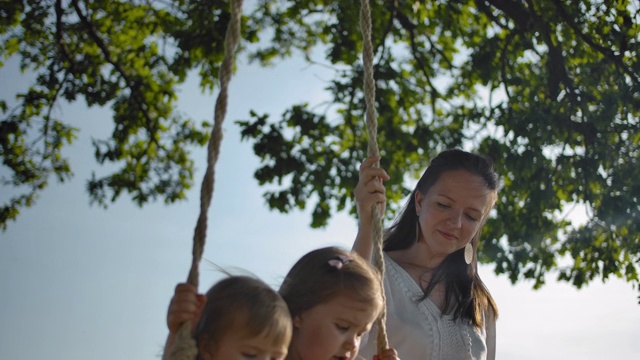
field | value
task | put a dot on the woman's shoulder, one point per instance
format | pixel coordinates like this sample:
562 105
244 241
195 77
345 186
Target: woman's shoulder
393 255
402 256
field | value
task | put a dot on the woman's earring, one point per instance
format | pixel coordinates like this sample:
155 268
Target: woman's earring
418 230
468 253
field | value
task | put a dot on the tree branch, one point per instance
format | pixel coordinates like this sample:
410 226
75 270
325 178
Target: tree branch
482 6
393 11
132 85
606 52
556 63
514 10
64 50
410 27
503 67
93 33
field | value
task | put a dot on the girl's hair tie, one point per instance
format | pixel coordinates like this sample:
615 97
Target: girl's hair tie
340 260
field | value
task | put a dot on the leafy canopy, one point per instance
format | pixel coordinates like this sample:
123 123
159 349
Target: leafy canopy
549 89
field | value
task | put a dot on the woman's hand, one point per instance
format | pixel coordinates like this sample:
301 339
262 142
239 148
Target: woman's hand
370 189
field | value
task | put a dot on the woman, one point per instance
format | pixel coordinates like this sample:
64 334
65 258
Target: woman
437 306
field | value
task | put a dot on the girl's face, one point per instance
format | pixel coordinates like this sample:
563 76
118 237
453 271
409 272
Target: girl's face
234 345
451 211
331 330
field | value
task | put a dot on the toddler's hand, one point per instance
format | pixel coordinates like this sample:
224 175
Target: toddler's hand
186 305
388 354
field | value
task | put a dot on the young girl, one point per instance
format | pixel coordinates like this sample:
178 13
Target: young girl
240 318
333 296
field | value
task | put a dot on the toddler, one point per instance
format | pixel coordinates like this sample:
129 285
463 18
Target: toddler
240 318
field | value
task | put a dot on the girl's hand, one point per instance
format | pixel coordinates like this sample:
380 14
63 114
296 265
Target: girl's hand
370 188
388 354
186 305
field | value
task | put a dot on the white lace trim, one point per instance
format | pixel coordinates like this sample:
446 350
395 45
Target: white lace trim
458 339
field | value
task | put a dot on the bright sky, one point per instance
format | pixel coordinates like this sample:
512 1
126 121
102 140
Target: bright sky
81 282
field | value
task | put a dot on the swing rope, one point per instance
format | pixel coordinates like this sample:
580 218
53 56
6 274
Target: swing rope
372 130
185 346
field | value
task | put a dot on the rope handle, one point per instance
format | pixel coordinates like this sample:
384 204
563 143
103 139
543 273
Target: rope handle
372 130
184 347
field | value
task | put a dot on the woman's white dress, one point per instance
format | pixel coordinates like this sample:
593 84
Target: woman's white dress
417 330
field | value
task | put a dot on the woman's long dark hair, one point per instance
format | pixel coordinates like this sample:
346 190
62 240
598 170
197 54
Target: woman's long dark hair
465 294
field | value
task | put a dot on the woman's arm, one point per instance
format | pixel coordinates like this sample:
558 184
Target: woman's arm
490 326
368 192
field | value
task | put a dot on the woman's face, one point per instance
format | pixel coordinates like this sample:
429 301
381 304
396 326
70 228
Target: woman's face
331 330
452 210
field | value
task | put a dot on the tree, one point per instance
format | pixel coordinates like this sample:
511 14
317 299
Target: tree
548 88
129 55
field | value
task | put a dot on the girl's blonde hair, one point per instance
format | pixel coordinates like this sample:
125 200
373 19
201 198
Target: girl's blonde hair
243 303
323 274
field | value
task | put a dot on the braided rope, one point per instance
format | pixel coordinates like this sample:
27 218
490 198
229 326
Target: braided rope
184 346
372 129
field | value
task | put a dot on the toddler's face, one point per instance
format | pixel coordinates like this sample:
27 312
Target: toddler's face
332 330
236 346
